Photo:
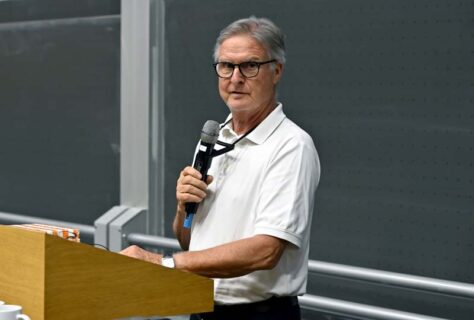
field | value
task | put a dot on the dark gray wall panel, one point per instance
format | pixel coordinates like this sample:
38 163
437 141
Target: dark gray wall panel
28 10
60 117
386 89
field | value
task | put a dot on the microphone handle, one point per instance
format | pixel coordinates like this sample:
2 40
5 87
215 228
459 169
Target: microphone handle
202 163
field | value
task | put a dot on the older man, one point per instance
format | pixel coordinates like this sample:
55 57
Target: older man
252 230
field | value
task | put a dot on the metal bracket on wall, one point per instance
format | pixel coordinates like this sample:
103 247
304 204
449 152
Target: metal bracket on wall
133 220
112 228
101 235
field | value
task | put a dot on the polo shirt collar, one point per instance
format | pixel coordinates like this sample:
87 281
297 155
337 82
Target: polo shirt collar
264 129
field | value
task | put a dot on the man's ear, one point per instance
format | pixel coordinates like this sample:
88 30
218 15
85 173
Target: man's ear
277 72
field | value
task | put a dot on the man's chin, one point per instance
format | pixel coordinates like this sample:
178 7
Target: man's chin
238 107
239 103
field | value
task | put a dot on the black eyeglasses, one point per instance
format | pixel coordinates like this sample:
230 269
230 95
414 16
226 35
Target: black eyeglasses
248 69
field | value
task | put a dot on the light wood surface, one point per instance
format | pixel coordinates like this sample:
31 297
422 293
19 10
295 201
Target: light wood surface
22 269
83 282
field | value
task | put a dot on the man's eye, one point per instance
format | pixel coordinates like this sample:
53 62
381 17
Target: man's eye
227 65
250 65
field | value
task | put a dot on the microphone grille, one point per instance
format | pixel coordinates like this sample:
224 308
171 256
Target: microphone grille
210 132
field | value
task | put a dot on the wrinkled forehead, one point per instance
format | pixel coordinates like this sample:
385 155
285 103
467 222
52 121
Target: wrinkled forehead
242 47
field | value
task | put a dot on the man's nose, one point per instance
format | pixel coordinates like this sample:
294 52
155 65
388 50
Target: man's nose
237 76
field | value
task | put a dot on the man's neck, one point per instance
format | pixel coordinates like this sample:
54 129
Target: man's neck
242 122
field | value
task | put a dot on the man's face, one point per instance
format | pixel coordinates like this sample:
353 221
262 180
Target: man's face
248 95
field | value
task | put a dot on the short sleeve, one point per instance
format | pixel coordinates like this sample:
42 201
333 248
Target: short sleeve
286 199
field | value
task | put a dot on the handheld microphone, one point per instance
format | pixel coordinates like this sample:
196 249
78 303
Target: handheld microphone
202 162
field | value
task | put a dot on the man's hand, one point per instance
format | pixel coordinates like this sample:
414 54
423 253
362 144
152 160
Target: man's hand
141 254
190 187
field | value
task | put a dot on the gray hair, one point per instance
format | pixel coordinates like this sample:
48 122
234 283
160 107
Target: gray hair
262 30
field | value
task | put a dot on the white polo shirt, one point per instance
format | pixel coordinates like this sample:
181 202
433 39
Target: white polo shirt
266 185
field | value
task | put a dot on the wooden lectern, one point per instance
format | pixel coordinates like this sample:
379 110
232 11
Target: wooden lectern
57 279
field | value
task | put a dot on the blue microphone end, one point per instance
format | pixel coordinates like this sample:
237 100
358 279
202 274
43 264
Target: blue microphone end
188 221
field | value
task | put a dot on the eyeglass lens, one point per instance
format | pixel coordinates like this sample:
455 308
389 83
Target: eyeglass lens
247 69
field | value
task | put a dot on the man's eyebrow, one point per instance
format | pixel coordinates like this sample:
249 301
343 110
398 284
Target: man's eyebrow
252 59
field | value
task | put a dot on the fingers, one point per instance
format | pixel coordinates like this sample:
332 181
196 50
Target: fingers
190 187
133 251
190 171
189 193
141 254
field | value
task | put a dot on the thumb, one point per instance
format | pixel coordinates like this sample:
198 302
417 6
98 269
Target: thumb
209 179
